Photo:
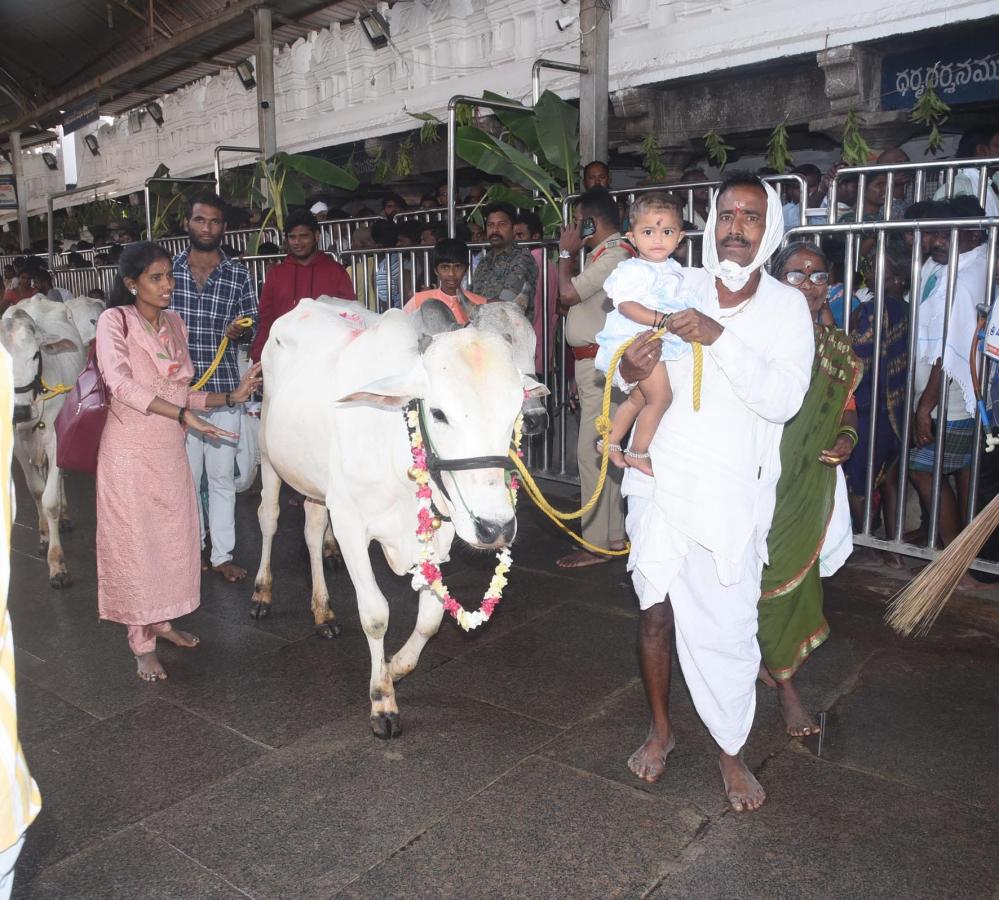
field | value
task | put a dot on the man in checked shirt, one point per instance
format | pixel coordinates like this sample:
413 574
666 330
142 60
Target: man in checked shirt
211 293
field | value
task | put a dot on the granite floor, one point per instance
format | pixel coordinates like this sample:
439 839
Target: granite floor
252 773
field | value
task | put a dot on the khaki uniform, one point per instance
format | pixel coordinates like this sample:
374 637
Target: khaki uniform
604 524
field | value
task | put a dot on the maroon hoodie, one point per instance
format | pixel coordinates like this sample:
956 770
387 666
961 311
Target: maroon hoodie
288 282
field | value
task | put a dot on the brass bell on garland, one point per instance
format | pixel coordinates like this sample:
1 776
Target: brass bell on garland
413 473
436 523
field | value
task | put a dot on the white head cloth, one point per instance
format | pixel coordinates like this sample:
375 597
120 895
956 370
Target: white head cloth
732 275
318 207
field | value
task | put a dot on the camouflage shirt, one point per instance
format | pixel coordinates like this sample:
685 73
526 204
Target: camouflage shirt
507 274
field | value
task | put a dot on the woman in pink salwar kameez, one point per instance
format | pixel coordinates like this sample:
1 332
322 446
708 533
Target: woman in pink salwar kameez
148 537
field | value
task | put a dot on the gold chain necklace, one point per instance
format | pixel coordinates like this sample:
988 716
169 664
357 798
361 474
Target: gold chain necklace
742 306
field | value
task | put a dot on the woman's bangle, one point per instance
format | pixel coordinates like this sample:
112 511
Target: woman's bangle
851 433
181 414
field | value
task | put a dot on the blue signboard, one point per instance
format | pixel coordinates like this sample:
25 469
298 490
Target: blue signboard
965 72
78 115
8 192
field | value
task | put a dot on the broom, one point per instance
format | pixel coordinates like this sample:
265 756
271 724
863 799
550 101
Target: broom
915 608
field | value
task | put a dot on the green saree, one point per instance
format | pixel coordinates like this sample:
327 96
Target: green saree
791 623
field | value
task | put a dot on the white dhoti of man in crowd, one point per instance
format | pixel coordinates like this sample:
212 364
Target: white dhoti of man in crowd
698 530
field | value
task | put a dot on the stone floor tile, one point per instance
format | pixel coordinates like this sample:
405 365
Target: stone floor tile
558 667
97 779
830 832
311 816
130 865
41 715
533 833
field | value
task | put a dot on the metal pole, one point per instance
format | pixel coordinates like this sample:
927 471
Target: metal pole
594 55
875 372
266 125
554 64
218 162
21 189
452 121
145 191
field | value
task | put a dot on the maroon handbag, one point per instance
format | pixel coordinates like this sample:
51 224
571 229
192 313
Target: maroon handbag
80 422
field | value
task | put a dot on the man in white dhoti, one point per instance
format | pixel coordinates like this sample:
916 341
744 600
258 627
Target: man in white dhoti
699 529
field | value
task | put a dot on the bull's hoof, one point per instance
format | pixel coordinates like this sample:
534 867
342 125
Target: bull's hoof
386 726
260 610
60 580
329 630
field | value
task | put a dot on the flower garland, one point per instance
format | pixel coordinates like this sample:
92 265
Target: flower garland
426 573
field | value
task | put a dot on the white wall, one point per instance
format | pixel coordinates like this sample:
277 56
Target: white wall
332 88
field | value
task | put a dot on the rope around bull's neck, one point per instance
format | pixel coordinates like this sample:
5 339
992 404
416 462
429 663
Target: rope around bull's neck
603 427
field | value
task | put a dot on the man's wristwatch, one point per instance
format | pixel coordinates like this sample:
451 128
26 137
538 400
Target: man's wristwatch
564 254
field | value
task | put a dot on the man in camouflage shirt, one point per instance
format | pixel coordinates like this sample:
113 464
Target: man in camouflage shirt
507 272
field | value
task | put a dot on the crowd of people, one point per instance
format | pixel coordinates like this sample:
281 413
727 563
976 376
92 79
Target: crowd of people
751 342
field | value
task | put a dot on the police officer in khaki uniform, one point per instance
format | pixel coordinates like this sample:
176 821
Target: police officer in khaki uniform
595 227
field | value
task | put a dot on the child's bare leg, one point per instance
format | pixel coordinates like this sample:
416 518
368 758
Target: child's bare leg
624 418
658 396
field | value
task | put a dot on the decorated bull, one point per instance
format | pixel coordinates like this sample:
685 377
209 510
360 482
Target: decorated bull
460 398
47 352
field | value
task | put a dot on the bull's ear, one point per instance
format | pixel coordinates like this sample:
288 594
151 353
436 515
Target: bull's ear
393 392
534 388
52 344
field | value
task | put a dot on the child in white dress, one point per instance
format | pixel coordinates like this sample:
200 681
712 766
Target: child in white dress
645 291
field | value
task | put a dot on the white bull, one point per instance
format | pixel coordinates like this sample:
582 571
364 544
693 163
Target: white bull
354 456
85 311
46 349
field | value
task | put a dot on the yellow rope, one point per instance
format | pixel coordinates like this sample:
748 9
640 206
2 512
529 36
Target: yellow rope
245 322
55 391
603 427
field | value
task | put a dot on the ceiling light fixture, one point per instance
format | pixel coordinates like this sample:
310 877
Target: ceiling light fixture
91 141
155 112
244 70
376 29
51 161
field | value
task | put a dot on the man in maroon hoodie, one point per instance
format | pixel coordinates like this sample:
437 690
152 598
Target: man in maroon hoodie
305 272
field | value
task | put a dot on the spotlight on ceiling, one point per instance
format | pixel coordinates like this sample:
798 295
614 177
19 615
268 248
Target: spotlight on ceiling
376 29
91 141
50 161
564 22
244 70
155 112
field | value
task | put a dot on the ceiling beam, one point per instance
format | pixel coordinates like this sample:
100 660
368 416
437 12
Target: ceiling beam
167 48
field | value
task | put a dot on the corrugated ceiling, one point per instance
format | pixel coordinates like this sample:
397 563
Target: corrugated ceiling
50 48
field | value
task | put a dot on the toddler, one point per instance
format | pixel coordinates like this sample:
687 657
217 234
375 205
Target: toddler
644 290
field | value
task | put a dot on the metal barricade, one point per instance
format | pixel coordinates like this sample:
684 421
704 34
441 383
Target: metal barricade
922 177
916 229
335 234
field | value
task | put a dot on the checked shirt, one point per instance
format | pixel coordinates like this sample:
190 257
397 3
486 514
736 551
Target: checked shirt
228 294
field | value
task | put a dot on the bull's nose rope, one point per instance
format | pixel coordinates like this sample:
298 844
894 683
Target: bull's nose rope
245 322
603 427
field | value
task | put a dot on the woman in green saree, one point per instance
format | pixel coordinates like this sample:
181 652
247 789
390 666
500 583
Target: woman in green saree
818 440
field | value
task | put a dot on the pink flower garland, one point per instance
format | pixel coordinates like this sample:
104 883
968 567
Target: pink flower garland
426 573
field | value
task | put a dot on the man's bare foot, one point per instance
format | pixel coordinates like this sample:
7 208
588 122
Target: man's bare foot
230 572
744 792
648 762
580 559
766 677
149 667
180 638
799 723
640 460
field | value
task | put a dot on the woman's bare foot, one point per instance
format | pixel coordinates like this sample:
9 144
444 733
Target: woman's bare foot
766 677
230 572
180 638
580 559
640 460
744 792
799 723
149 667
648 762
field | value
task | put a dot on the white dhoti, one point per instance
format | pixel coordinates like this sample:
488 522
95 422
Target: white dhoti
715 627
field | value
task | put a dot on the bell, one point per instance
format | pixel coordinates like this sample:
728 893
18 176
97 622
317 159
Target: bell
413 473
436 522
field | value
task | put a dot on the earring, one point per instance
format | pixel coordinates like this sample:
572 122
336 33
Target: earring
135 292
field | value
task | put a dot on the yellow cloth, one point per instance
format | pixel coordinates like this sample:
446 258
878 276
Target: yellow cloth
20 800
